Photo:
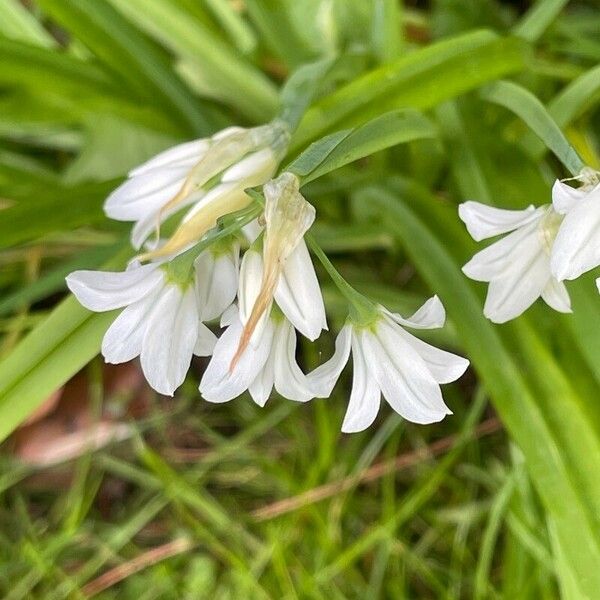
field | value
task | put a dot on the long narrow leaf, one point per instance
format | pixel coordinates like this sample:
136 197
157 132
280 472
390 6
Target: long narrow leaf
524 104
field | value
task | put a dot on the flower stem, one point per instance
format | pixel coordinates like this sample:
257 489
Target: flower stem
180 268
362 310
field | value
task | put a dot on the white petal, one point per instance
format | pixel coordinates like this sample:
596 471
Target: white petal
218 383
262 386
402 375
444 366
227 132
105 290
251 272
576 248
205 343
231 314
290 381
223 192
147 224
500 257
254 169
431 315
123 340
298 294
144 195
170 338
323 379
186 152
485 221
598 284
217 282
251 231
565 197
509 296
365 397
556 296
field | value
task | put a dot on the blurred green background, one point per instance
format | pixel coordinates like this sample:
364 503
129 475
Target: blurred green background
110 491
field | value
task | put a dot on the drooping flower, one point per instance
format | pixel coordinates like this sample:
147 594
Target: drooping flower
257 351
208 175
160 321
268 359
389 361
517 267
287 217
577 245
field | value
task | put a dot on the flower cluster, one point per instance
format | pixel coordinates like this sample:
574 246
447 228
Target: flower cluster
262 299
544 247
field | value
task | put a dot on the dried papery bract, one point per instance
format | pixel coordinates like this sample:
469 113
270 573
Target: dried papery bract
288 216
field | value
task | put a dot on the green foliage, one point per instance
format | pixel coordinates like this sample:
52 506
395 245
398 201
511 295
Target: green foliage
408 113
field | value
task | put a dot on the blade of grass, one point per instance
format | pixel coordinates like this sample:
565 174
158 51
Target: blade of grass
419 80
527 107
141 67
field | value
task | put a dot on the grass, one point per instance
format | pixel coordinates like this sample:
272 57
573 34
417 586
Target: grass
117 492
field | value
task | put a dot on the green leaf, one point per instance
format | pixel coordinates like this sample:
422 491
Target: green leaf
343 147
300 88
386 29
538 18
73 89
54 280
421 79
231 76
569 104
238 31
124 50
18 23
273 20
112 146
63 209
528 108
24 65
48 357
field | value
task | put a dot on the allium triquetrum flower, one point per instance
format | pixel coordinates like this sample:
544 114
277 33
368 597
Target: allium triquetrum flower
210 175
160 321
577 245
389 361
517 267
257 351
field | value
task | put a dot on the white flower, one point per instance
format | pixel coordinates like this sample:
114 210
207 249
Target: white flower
517 267
287 217
217 279
208 174
390 361
269 359
577 245
160 321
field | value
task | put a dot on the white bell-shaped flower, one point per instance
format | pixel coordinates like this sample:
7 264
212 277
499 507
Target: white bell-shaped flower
210 175
269 359
389 361
517 267
577 245
160 321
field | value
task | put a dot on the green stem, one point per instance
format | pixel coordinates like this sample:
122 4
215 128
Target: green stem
180 268
362 310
